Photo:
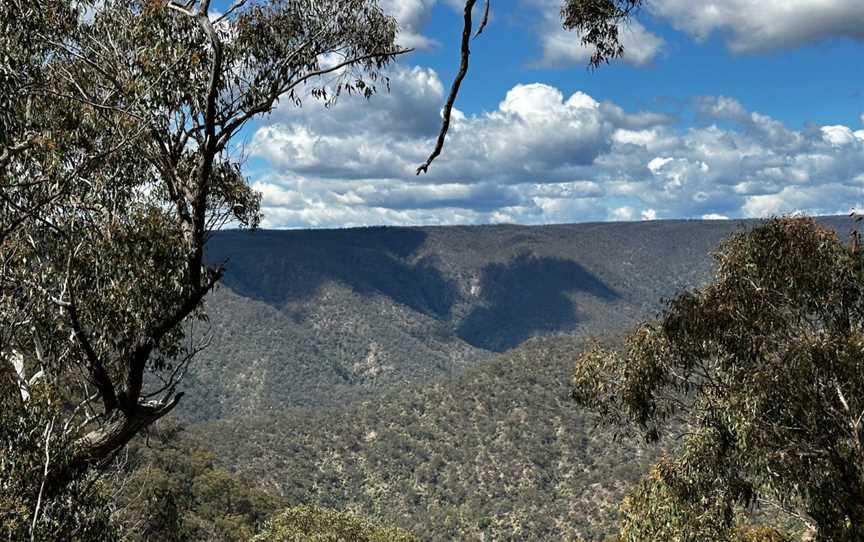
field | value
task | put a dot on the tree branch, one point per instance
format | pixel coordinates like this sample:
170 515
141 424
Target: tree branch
454 90
270 100
138 361
485 20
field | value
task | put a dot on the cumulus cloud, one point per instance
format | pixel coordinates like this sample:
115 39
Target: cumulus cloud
411 15
542 156
720 108
763 25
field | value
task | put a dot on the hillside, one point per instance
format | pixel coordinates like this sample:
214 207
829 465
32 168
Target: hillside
323 317
498 453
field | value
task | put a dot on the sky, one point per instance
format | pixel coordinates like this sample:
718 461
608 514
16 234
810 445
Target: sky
719 109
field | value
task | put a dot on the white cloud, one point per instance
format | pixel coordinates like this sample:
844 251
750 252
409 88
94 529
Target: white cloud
622 213
838 136
649 214
675 172
411 15
721 108
542 156
764 25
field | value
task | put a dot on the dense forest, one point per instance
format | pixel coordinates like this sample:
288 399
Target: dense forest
493 447
490 447
314 318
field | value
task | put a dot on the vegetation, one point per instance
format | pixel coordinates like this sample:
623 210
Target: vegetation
105 239
323 318
170 489
33 506
496 451
598 23
761 373
310 524
116 165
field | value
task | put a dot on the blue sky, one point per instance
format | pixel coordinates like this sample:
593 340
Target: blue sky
815 82
719 109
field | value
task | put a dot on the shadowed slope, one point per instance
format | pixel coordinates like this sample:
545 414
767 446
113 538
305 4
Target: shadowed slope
285 267
316 318
525 296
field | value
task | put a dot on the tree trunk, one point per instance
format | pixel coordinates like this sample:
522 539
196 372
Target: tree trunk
114 434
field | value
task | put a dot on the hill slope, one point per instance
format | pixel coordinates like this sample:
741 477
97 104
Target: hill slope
499 453
324 317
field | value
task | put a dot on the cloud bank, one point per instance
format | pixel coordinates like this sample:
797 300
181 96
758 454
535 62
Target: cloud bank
542 157
752 26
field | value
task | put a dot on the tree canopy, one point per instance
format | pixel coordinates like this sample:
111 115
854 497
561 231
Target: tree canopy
598 23
313 524
761 374
116 164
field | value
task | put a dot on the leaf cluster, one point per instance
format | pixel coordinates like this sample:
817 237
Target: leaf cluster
761 371
598 23
33 445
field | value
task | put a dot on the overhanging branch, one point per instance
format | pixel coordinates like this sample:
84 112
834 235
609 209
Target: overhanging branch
454 90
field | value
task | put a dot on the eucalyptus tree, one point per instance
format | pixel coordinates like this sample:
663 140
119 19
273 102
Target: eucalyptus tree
118 163
760 373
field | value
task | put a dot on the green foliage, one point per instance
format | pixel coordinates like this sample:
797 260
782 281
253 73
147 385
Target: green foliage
116 166
598 22
495 451
172 490
313 524
762 371
33 446
752 533
419 302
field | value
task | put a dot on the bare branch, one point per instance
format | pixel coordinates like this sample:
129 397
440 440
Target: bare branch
237 5
49 429
185 10
138 361
97 371
485 20
454 90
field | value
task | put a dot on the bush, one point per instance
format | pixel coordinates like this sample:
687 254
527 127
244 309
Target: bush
313 524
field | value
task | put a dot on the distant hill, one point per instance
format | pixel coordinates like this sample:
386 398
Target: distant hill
324 317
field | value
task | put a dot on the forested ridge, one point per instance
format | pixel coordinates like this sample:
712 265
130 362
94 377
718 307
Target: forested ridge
490 447
170 372
321 317
496 451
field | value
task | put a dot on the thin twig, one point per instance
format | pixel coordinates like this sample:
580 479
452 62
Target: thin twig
48 431
485 20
